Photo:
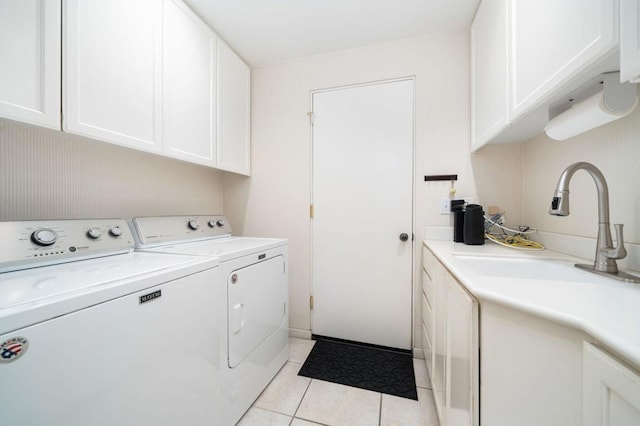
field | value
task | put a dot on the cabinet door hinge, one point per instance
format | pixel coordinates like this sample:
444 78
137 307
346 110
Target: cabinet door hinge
311 302
311 211
312 118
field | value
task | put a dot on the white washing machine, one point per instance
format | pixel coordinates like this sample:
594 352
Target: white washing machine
93 333
254 273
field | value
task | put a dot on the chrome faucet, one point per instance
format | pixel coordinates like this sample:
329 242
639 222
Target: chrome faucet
606 253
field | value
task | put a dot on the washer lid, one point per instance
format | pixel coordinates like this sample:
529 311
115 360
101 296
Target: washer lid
27 288
224 248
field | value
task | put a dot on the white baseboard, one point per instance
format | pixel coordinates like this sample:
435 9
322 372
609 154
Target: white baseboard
299 333
418 353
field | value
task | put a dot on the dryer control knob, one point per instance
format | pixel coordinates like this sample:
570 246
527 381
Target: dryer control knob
94 233
193 224
211 223
116 231
220 223
44 237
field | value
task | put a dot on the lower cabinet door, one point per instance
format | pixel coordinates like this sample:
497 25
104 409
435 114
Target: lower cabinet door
611 390
462 368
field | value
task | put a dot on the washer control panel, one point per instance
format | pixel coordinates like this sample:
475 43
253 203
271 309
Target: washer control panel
27 244
160 230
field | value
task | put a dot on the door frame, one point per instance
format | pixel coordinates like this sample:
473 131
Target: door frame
413 191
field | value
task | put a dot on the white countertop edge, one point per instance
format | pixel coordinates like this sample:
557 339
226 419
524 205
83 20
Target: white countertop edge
623 339
573 245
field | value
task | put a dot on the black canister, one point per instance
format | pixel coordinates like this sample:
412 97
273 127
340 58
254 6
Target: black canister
458 226
473 228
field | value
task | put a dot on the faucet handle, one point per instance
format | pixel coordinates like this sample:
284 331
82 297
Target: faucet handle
618 252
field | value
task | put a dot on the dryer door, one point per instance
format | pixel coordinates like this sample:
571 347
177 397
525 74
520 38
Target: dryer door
257 306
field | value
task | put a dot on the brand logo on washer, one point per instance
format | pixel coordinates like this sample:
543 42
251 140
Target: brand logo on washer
12 349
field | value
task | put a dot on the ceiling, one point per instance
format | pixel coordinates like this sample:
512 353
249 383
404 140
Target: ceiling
269 31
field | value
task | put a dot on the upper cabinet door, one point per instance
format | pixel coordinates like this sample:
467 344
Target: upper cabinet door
234 111
189 57
30 61
554 40
630 41
489 71
113 71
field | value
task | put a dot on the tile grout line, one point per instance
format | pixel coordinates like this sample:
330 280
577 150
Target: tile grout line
302 399
305 391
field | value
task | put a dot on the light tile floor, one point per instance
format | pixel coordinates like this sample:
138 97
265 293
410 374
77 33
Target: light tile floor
300 401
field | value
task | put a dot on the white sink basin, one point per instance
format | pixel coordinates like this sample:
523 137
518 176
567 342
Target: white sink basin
528 268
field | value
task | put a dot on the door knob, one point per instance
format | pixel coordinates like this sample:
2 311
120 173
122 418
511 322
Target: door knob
404 237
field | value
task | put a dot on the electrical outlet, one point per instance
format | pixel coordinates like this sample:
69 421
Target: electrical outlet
445 205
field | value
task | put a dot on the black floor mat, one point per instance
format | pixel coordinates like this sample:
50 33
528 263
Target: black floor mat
381 370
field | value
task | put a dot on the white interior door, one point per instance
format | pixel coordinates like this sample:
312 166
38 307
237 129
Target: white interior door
363 202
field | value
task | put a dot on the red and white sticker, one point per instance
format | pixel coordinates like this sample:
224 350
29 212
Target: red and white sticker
12 349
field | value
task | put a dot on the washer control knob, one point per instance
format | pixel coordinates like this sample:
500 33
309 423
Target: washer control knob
194 225
211 223
44 237
94 233
220 223
116 231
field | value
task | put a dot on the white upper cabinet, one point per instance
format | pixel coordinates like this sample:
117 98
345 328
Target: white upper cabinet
30 61
489 71
553 41
189 72
451 315
113 71
529 54
151 75
234 111
630 41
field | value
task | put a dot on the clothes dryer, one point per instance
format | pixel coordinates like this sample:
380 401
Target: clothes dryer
254 272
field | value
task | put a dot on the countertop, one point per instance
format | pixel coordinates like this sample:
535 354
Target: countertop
604 308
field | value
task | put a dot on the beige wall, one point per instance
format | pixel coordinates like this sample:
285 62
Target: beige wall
275 201
45 174
614 149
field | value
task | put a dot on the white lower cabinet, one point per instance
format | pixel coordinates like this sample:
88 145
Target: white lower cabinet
452 348
530 368
461 357
439 338
523 369
611 390
30 61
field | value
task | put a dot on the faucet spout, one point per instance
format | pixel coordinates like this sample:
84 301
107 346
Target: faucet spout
605 252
